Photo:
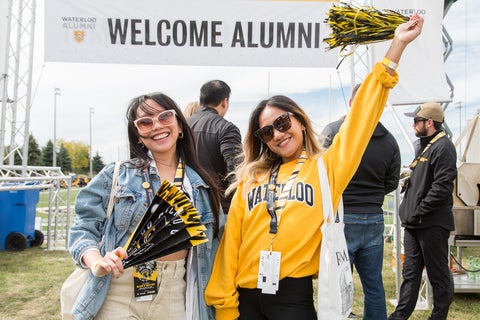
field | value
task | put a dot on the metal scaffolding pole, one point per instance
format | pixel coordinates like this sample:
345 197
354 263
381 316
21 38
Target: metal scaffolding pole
16 100
17 82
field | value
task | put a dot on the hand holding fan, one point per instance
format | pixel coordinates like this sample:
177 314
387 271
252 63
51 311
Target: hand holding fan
171 223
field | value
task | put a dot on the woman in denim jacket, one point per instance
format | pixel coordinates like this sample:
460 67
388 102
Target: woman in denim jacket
160 141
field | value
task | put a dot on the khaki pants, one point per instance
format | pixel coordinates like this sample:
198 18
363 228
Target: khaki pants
169 303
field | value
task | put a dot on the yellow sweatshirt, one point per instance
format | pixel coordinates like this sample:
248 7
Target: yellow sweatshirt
299 236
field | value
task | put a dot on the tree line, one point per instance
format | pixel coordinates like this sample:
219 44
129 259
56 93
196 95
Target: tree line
71 156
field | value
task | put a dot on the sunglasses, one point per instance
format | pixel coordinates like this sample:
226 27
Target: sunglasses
146 123
416 120
282 124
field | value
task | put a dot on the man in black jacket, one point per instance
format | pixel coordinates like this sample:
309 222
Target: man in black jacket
376 176
217 140
426 214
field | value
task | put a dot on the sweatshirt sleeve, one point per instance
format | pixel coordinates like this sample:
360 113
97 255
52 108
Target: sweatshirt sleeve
221 291
344 155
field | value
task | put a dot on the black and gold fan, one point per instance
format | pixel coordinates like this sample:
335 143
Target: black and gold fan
171 223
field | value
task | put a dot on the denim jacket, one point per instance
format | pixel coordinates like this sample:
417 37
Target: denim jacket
130 205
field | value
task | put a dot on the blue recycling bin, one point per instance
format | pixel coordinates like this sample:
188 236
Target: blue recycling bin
17 219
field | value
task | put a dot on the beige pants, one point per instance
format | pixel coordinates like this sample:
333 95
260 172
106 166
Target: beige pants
169 303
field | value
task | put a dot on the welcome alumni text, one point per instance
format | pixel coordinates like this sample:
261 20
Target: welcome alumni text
180 33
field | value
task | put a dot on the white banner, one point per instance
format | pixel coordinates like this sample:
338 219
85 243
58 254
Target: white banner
3 43
188 32
421 69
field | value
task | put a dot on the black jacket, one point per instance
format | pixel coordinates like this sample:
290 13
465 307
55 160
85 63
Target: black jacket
428 198
377 175
218 143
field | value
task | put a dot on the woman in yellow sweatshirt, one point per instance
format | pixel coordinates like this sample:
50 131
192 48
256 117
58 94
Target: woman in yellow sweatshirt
270 249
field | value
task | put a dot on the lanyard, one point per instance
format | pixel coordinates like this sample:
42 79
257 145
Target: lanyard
177 181
149 284
415 162
282 199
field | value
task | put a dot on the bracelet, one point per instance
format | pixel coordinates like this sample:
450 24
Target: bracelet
94 266
389 63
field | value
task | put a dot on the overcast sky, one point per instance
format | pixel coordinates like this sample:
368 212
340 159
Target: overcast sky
108 88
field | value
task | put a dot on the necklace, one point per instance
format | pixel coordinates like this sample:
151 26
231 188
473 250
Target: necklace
177 181
166 165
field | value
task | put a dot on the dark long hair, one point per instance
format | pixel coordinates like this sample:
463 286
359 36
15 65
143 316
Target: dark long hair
185 148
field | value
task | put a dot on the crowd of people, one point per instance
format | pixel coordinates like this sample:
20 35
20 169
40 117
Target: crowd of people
260 203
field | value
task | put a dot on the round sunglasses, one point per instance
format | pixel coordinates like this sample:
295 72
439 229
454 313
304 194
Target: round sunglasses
146 123
282 124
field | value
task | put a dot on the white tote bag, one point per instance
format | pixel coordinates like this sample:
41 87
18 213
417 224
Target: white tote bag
335 282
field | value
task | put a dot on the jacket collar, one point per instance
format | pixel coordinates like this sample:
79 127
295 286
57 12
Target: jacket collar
425 140
207 109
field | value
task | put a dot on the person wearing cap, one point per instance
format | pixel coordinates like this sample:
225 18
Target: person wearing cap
426 214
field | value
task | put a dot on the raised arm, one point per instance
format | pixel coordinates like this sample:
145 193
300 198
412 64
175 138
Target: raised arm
404 34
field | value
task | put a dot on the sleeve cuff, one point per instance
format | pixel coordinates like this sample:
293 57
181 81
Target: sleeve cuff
227 314
81 263
380 72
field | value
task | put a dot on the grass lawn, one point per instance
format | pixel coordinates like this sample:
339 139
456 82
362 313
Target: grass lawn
30 282
44 197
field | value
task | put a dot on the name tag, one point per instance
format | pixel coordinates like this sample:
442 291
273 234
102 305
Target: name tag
269 271
145 281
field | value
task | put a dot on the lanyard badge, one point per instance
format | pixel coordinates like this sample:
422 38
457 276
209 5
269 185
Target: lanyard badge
269 271
269 263
145 274
145 281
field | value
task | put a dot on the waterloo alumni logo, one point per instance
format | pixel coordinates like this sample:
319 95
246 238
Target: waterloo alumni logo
80 26
78 35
